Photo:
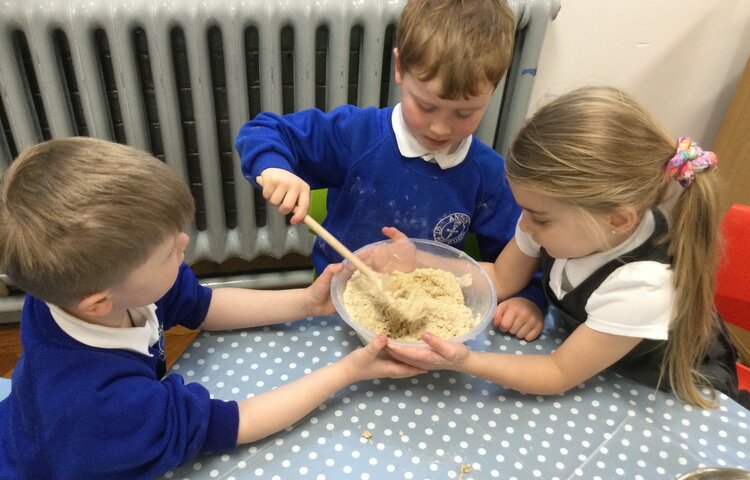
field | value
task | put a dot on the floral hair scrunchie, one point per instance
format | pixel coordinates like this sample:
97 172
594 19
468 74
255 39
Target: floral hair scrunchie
690 158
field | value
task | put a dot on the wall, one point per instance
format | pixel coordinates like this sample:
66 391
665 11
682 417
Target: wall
681 58
733 148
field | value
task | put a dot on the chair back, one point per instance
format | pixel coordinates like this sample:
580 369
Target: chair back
733 279
732 298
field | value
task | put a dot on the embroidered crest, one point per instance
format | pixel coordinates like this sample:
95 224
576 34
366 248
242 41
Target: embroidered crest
451 229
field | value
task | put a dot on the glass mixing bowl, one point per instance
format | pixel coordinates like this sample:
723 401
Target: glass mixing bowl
388 255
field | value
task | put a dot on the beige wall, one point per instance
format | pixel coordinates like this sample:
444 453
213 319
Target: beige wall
681 58
733 146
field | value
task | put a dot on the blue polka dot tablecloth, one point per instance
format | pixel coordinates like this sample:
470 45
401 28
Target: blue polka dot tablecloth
446 425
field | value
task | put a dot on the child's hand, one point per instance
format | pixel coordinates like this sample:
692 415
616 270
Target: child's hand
520 317
367 363
442 355
393 233
320 292
286 191
397 255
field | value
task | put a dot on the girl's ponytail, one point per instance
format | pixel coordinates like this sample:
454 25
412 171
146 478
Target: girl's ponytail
693 246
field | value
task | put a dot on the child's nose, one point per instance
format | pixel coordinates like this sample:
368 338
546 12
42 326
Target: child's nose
440 127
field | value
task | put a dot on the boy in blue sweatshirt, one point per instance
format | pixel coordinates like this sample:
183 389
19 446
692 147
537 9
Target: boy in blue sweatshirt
93 232
415 166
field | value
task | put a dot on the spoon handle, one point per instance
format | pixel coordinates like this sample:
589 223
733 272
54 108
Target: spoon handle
342 250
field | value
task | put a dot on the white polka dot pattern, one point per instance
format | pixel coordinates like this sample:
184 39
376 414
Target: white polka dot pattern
437 424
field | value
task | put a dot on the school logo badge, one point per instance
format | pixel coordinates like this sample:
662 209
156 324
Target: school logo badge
451 229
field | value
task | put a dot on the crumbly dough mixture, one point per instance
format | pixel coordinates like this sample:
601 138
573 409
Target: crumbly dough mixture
426 299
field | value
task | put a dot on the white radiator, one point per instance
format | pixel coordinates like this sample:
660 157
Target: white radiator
179 77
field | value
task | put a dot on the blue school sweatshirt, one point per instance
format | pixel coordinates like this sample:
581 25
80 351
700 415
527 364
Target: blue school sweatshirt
353 153
81 412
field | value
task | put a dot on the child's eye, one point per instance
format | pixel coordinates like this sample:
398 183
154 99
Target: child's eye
536 221
426 108
464 114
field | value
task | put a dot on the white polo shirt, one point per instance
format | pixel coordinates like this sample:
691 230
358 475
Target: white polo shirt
410 147
635 300
136 339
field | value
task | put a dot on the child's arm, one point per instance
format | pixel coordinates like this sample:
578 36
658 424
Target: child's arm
312 146
584 354
242 308
272 411
275 410
510 273
512 270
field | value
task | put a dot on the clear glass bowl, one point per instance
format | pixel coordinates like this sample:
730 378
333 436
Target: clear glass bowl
716 473
387 255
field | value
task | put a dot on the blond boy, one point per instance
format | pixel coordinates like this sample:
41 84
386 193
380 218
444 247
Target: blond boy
93 232
416 166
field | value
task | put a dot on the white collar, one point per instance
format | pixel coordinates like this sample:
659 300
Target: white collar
410 147
579 269
136 339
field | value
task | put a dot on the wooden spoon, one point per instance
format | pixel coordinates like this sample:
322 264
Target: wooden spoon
375 277
406 314
378 279
334 242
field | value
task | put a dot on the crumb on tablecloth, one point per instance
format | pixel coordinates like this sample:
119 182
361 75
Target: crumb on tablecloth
465 468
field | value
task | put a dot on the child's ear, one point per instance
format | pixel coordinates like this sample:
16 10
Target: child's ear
96 304
396 67
624 220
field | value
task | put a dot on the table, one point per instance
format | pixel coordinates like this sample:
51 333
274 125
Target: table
434 425
4 387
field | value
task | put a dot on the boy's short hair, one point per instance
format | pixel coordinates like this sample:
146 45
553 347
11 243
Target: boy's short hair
77 215
464 43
